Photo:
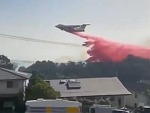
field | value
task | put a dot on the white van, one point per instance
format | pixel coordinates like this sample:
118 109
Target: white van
52 106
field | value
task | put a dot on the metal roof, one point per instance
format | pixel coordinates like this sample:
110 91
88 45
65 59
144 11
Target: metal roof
6 74
109 86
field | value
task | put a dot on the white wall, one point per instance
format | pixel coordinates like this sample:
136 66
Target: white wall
17 87
114 103
131 100
141 99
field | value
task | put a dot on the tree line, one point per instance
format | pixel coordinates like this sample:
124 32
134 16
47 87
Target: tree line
132 69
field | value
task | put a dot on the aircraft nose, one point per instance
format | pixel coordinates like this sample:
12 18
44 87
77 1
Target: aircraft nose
59 26
56 26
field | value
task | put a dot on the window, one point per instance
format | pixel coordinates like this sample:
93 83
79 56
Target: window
119 101
112 98
135 105
92 110
9 84
136 95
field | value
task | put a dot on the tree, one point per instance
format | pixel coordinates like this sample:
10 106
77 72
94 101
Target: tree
5 62
40 89
22 69
47 68
131 69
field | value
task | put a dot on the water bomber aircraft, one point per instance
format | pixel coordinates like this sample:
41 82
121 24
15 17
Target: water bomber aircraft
72 28
102 50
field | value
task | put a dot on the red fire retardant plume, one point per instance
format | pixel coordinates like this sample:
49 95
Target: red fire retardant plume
103 50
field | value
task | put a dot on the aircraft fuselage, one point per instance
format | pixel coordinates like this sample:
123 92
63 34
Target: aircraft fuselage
72 28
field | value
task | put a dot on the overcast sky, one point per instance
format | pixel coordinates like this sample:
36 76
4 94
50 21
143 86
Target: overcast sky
125 21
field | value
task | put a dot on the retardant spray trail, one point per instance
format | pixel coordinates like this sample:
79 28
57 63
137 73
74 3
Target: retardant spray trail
105 50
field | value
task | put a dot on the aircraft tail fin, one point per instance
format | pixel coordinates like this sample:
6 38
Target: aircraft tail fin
84 25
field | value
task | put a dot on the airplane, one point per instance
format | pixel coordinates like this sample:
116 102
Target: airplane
72 28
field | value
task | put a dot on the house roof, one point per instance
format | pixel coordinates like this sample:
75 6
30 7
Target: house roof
109 86
6 74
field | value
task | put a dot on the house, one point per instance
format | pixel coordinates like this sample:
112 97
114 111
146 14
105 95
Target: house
11 84
139 95
96 88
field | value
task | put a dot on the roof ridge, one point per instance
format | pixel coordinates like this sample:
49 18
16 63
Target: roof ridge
83 78
13 72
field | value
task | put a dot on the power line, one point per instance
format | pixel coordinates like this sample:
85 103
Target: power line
37 40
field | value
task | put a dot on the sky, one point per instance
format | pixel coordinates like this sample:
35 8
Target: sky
124 21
